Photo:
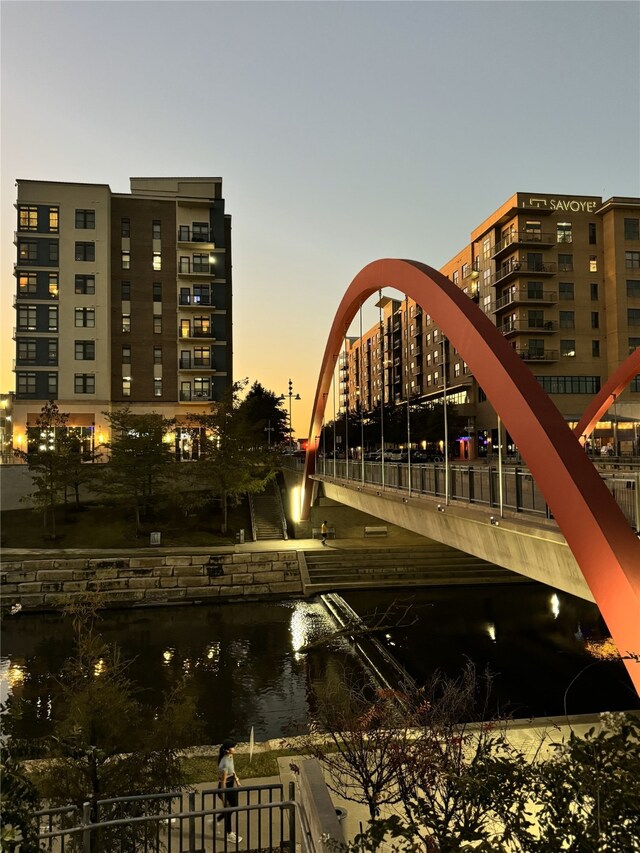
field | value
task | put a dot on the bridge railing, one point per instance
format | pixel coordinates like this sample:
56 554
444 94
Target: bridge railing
515 491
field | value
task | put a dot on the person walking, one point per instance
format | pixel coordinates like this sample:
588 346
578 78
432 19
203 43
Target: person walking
227 778
324 530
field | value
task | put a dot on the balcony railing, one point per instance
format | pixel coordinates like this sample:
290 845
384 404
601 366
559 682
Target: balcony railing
540 297
518 267
200 396
192 300
523 238
188 235
193 363
537 355
186 267
525 326
184 332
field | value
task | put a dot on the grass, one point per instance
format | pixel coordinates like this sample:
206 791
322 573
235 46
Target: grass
201 768
98 526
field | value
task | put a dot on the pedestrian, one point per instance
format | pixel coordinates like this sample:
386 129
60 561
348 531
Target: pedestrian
324 530
227 778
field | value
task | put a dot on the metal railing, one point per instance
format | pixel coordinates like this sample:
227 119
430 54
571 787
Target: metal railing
478 484
176 822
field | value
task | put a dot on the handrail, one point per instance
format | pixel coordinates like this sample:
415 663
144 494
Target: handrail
283 517
252 513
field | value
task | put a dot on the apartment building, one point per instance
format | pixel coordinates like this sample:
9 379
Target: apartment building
560 278
121 299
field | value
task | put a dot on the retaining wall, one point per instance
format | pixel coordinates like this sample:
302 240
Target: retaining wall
157 579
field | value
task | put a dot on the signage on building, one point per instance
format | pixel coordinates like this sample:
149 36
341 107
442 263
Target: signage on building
573 205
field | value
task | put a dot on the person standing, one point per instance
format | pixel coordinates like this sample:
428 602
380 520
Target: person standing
324 530
227 778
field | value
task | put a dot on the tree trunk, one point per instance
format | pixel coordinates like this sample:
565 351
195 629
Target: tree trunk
223 527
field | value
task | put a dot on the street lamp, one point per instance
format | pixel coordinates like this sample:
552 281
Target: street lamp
291 397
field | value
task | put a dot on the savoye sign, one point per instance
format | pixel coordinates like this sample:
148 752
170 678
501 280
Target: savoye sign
571 204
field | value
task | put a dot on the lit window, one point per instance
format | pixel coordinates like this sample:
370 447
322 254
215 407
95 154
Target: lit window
54 217
27 283
126 322
28 251
53 285
85 317
563 231
593 263
27 218
126 260
157 325
157 261
157 387
126 386
631 260
568 348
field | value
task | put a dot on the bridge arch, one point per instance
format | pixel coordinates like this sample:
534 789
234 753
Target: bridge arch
604 547
608 394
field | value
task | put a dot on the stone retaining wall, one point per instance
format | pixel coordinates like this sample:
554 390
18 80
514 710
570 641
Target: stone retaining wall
176 579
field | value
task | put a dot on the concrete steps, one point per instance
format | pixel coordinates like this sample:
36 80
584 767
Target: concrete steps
266 512
436 565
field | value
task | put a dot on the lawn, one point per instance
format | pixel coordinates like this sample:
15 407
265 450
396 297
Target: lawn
99 526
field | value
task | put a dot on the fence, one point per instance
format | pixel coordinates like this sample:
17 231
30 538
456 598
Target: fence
176 822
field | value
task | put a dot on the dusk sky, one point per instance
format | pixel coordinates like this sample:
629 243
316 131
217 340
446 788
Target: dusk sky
344 132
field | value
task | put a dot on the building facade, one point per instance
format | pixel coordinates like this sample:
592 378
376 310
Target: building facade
560 278
121 299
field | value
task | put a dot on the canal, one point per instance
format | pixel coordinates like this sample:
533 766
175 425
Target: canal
245 663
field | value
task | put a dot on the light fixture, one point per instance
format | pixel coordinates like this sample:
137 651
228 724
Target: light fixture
493 520
440 508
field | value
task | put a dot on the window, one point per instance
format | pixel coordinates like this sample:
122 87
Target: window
592 233
632 229
125 227
593 263
27 352
201 327
634 385
567 319
595 349
563 232
85 251
85 383
201 356
85 350
565 263
481 395
85 284
201 294
633 316
126 386
126 261
28 251
455 276
52 351
486 248
535 319
53 285
200 232
27 315
631 260
157 325
633 288
533 229
465 270
52 318
185 329
157 261
125 291
156 229
85 219
157 355
565 290
634 343
157 387
27 283
126 323
201 263
52 384
53 252
201 388
85 317
568 348
570 384
595 320
126 354
534 290
593 289
26 383
27 218
535 348
157 291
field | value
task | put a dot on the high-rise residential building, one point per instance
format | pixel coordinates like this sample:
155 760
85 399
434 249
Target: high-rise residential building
560 277
121 299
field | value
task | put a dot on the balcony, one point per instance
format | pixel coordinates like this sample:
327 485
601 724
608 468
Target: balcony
185 333
519 327
195 364
515 267
525 297
187 267
189 300
197 396
537 355
189 235
523 238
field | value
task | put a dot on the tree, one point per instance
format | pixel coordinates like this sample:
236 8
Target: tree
138 470
262 412
46 463
105 743
19 798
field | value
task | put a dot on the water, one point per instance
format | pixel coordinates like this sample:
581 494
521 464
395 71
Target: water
244 664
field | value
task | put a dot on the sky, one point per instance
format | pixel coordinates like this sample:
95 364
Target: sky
343 131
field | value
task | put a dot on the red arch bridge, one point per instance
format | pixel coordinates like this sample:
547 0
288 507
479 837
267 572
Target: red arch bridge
601 542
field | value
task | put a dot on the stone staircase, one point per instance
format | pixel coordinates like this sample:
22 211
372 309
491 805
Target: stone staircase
267 514
433 565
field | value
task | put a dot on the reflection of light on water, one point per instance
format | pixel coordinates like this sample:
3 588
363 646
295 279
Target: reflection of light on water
309 621
554 601
99 667
213 651
602 649
13 674
491 631
167 656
